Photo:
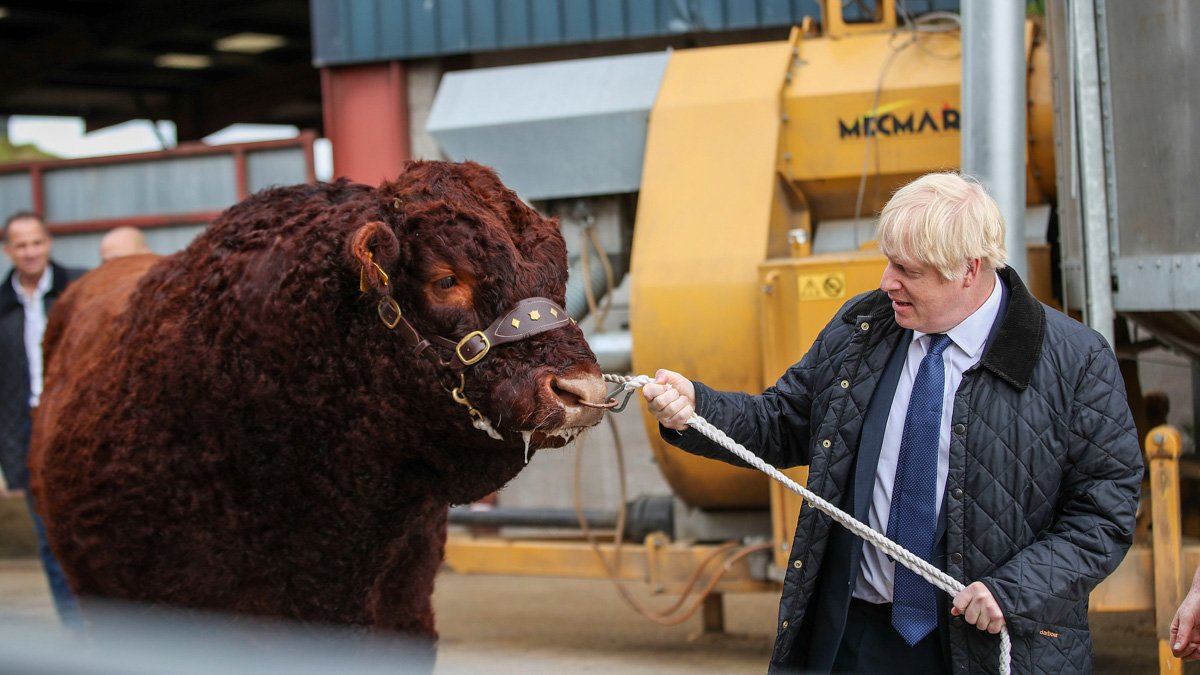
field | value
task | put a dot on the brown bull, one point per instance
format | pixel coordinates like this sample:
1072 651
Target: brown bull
263 423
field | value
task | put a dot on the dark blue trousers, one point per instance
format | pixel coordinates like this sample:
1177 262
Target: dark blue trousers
64 600
871 645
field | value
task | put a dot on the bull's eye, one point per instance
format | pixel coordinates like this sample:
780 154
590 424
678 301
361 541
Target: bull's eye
449 287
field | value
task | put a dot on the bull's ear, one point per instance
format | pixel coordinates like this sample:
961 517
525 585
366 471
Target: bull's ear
373 246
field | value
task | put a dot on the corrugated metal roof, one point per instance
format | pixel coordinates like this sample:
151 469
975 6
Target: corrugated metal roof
352 31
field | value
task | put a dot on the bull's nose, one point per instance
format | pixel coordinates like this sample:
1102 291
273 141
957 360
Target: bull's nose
571 390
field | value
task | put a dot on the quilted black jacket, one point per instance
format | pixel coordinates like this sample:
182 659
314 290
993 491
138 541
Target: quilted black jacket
1045 469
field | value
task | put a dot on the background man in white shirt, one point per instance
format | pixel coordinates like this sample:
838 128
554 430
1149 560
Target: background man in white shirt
26 296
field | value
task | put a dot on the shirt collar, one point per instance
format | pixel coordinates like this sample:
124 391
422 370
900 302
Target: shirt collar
971 333
43 286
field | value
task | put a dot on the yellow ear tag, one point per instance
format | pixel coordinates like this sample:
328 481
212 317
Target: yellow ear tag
382 275
362 274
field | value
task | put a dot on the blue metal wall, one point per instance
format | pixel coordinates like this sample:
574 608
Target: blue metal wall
358 31
352 31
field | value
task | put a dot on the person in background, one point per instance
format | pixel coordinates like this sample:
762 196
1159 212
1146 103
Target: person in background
122 241
976 427
26 297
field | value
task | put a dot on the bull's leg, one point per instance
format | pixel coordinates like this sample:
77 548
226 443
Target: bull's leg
401 597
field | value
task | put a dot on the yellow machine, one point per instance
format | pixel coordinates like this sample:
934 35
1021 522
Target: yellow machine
754 154
751 151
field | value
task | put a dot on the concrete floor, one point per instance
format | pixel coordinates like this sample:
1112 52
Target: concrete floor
525 625
542 626
516 625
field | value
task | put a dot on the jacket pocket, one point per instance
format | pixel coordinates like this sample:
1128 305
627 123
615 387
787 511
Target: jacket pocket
1056 649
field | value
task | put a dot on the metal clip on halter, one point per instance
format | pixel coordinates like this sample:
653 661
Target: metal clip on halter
461 398
611 404
625 402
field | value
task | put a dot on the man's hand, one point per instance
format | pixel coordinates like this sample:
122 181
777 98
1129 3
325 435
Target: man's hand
671 398
1185 629
976 604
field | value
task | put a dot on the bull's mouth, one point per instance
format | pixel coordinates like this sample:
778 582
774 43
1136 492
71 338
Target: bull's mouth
543 440
556 438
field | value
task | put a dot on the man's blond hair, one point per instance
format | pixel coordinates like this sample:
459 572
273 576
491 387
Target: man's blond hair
943 220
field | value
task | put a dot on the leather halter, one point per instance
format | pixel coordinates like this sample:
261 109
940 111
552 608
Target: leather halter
530 317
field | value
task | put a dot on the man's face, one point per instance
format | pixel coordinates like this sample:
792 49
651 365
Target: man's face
28 245
922 299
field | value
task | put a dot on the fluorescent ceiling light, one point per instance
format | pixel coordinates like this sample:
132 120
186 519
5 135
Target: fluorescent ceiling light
3 12
183 61
249 43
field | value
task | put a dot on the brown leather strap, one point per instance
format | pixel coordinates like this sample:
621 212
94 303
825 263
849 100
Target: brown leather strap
530 317
393 317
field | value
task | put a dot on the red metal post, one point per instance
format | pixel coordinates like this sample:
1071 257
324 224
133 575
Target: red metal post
366 120
240 175
38 188
307 138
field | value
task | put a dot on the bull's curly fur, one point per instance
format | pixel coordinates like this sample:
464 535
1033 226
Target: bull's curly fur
236 430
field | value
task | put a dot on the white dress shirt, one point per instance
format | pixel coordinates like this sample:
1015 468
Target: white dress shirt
967 342
35 327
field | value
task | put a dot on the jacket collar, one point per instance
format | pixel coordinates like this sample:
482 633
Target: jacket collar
1015 346
8 295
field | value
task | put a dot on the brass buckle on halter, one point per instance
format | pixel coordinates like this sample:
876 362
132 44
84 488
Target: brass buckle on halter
487 345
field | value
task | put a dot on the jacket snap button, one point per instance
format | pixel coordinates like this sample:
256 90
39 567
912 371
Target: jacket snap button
958 493
785 625
845 384
864 325
960 428
825 443
798 564
956 557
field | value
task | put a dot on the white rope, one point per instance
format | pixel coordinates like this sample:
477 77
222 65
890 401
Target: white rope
902 555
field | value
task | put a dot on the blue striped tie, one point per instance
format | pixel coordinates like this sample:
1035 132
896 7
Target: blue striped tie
913 518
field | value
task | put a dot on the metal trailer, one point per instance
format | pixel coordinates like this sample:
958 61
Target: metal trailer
1126 91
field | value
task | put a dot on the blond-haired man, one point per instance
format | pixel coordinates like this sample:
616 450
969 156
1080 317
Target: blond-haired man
977 427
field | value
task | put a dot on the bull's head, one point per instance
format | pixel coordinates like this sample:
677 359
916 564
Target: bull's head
472 281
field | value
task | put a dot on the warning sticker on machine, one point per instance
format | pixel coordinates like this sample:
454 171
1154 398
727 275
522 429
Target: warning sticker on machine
829 286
